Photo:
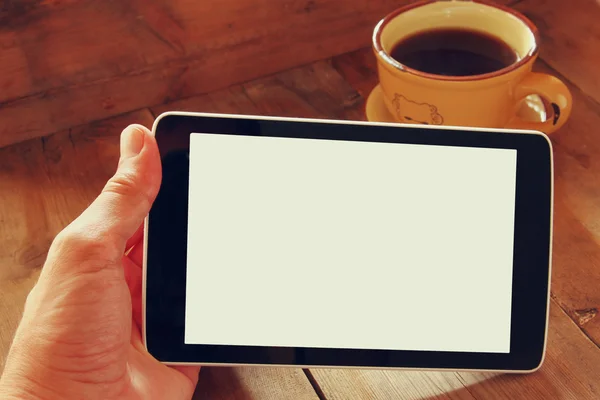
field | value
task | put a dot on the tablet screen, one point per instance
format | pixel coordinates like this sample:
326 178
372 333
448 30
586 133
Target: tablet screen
349 245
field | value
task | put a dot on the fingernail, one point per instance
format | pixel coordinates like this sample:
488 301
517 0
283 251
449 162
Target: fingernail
132 142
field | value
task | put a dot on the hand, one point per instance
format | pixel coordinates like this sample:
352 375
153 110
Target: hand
79 337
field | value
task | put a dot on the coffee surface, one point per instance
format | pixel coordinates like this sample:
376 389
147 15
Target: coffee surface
454 52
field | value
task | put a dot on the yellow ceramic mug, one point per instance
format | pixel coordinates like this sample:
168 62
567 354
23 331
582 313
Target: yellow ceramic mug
487 100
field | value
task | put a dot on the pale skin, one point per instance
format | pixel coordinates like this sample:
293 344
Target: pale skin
80 335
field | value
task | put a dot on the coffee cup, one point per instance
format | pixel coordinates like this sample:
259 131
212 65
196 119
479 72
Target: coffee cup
464 63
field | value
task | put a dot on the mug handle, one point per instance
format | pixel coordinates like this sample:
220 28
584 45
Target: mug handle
551 89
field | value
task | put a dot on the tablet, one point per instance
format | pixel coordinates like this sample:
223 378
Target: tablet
317 243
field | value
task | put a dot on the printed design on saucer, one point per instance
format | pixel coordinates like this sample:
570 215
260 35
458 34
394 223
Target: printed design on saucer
414 112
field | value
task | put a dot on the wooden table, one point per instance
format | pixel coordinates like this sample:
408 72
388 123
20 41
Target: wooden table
75 72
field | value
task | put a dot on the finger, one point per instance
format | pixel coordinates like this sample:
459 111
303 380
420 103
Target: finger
137 254
116 214
136 337
191 372
135 238
133 277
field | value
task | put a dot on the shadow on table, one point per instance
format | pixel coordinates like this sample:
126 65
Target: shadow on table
475 386
248 383
253 383
220 383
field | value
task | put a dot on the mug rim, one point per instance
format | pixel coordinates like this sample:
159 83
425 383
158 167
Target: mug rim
387 58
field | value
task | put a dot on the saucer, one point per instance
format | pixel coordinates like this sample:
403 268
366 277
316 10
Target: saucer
531 109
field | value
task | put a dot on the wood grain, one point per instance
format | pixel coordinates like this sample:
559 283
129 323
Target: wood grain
359 69
253 383
569 33
351 384
68 63
576 263
312 91
571 371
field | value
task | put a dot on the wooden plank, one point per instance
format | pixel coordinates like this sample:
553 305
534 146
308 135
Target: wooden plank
64 107
71 62
571 367
576 275
577 150
355 384
253 383
569 38
230 100
576 269
359 69
68 63
312 91
13 83
571 371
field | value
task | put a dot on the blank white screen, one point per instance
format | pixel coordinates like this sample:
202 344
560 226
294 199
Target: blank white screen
340 244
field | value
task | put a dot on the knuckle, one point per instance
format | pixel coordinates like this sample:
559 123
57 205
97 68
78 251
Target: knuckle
125 184
84 246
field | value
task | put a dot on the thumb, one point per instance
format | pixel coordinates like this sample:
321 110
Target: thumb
120 209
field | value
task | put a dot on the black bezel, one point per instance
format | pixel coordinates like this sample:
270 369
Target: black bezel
167 246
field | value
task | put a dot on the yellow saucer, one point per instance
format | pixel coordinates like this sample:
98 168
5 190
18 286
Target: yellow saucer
375 109
532 108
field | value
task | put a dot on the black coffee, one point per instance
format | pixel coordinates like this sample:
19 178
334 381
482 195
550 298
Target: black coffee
454 52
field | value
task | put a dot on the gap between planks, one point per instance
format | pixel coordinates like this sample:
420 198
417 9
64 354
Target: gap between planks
314 384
